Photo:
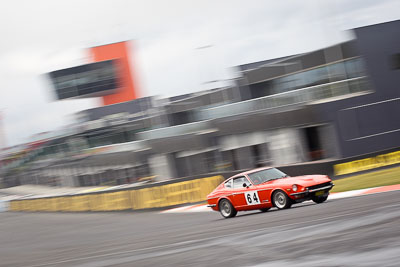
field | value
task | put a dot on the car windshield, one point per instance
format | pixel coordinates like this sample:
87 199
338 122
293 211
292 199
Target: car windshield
266 175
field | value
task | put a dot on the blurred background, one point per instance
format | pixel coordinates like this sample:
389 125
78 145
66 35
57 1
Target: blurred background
100 93
136 106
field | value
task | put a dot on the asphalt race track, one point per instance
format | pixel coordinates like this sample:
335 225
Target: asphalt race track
358 231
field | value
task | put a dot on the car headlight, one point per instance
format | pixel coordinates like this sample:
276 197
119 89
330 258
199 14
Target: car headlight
294 187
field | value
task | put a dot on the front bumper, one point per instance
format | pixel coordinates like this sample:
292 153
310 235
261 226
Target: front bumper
309 193
329 187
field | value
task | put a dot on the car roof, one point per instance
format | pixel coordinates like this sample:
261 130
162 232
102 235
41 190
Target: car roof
250 171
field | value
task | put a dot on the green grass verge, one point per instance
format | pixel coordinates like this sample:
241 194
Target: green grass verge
373 179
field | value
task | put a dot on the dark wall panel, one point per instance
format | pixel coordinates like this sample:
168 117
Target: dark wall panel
371 122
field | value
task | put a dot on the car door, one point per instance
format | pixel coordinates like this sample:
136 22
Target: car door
264 189
244 196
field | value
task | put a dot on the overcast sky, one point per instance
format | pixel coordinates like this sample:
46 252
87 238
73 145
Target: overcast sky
42 36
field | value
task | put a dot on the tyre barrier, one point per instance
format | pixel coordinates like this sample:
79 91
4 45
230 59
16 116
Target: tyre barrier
166 195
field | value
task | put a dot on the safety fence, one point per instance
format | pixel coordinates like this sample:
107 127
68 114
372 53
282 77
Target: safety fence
165 195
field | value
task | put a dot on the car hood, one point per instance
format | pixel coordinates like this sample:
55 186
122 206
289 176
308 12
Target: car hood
306 180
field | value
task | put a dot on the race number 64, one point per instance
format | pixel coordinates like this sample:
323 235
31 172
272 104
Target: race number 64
252 198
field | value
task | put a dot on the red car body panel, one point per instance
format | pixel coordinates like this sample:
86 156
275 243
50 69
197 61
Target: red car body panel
263 192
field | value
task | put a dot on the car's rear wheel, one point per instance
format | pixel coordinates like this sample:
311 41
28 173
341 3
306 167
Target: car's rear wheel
281 200
319 199
264 209
226 209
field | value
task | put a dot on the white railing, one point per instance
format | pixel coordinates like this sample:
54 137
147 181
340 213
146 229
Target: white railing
174 130
302 95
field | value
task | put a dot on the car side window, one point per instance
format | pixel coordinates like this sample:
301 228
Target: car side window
239 181
228 184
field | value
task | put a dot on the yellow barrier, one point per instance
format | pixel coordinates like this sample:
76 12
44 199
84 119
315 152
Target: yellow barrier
174 194
151 197
367 163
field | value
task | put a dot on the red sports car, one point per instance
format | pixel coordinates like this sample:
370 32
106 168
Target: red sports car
265 188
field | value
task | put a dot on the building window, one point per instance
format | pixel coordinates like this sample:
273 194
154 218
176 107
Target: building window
396 61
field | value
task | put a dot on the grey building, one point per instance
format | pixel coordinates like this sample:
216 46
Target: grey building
336 102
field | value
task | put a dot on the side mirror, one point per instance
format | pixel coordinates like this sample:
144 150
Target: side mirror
245 185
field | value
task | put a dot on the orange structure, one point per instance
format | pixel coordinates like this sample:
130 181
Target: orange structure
118 51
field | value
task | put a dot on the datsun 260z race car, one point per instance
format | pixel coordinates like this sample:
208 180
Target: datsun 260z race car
265 188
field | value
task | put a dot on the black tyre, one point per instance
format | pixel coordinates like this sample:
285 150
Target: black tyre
264 209
226 209
320 199
281 200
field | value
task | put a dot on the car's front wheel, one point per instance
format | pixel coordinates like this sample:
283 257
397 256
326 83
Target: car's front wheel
226 209
319 199
281 200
